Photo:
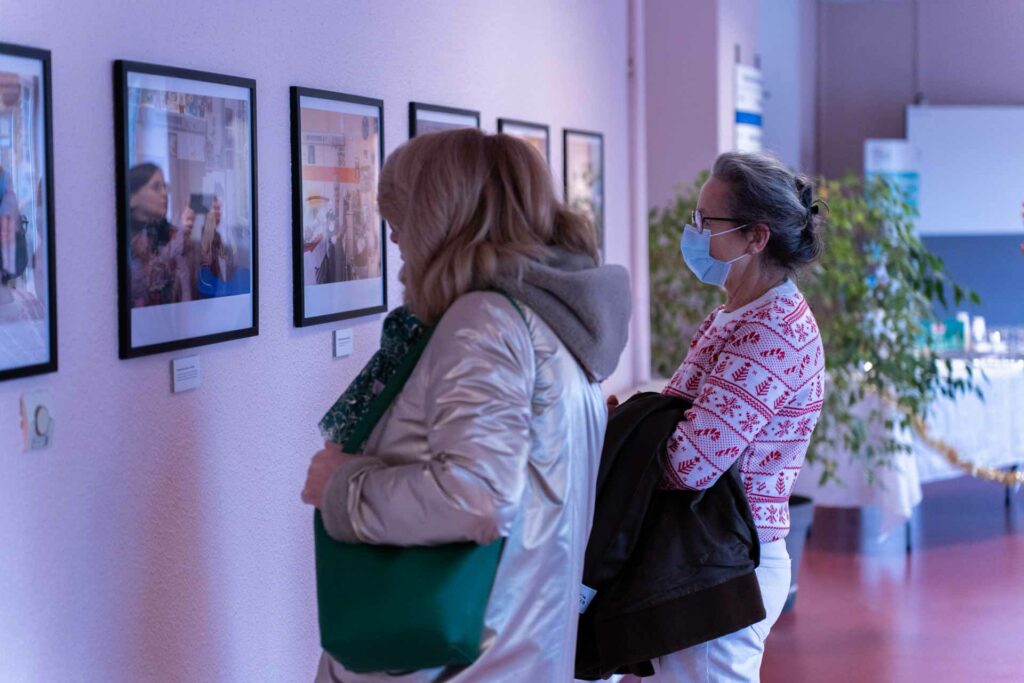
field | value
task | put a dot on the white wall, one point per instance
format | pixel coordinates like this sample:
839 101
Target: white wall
738 27
787 41
162 537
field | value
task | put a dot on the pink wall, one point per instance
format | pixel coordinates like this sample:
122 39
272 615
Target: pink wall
866 79
690 85
807 56
162 537
968 52
641 331
681 92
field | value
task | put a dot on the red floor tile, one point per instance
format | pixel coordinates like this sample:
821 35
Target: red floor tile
952 610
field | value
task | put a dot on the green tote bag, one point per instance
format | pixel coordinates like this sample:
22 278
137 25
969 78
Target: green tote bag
386 608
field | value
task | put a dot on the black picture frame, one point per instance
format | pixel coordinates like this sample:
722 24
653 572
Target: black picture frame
416 107
49 211
123 69
301 316
506 125
567 162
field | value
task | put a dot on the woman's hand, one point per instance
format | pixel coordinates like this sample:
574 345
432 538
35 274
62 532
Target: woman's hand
214 216
321 468
612 402
188 221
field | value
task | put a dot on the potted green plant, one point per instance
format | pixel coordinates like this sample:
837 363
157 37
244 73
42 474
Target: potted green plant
875 293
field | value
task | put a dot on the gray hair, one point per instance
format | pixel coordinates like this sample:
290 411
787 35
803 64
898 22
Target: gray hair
764 190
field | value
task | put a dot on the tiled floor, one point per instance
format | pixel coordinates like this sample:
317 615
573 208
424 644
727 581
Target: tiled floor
952 610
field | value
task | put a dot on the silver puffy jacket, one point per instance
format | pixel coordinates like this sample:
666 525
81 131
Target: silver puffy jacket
498 432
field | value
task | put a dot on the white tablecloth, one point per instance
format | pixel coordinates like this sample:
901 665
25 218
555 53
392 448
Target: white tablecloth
894 489
989 432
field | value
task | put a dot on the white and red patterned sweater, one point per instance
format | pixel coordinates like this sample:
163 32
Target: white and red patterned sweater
756 379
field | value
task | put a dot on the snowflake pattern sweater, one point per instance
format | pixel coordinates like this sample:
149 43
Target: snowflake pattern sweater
756 379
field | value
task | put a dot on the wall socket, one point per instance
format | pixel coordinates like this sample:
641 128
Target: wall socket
37 419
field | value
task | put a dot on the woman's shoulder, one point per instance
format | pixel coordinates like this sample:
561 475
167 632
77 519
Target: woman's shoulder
484 312
785 314
710 320
777 306
482 330
486 302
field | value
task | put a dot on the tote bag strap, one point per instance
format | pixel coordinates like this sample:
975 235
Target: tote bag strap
382 401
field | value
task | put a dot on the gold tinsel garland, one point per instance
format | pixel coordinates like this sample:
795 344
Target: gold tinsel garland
1013 478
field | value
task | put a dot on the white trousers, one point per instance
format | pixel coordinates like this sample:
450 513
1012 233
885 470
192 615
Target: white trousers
735 658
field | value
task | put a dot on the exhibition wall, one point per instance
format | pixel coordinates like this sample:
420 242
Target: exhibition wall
161 536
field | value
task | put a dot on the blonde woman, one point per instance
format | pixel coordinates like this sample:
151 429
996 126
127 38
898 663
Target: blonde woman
498 432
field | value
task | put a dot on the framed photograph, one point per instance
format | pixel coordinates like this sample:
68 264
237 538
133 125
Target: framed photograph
339 242
583 174
537 134
28 274
430 118
186 184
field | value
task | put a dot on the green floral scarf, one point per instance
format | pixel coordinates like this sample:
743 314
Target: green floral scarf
402 331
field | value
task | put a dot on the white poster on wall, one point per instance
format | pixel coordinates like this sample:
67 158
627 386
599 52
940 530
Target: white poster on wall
749 108
971 161
895 161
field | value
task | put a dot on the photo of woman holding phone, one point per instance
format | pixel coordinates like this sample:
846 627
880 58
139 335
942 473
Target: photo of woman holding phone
175 263
188 211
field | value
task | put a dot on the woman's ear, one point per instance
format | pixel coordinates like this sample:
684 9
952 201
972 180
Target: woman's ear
760 236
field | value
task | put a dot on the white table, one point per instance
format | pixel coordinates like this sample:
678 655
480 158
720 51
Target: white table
989 433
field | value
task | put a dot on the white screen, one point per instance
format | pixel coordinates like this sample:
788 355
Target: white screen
971 163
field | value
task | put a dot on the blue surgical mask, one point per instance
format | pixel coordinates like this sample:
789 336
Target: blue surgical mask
696 249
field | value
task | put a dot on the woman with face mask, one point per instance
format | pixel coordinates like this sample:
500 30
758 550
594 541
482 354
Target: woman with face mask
754 373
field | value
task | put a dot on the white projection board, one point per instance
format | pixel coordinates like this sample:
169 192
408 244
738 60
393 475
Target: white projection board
971 166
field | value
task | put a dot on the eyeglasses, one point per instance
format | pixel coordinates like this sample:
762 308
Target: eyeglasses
697 218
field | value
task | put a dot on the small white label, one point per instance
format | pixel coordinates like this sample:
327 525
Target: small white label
342 343
187 373
586 597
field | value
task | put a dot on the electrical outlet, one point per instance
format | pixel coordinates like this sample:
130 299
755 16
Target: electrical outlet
37 419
